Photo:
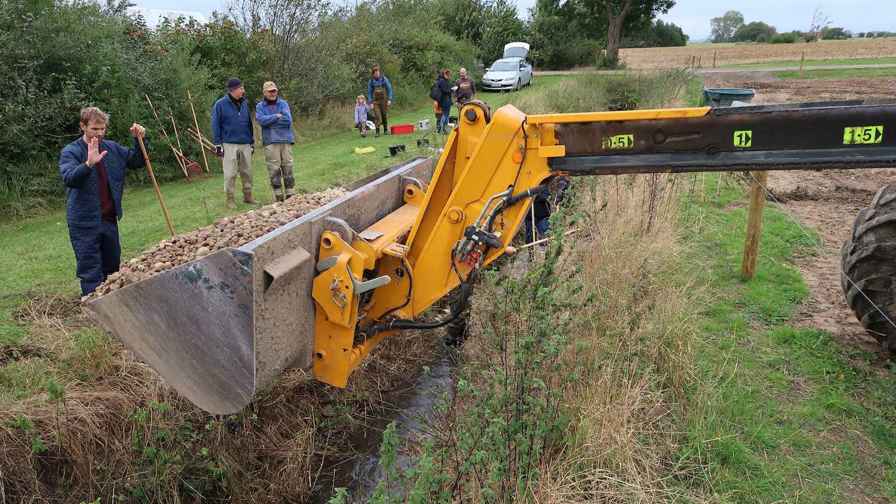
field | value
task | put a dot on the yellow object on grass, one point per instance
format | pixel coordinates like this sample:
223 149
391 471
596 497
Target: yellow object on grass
365 150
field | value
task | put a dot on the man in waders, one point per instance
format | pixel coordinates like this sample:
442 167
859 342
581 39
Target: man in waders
379 94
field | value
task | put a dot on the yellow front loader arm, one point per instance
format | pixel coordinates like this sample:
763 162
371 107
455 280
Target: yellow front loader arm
490 168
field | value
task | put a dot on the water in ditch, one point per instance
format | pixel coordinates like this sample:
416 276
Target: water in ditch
415 411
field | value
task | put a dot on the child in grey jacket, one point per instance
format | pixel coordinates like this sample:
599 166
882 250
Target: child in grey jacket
361 109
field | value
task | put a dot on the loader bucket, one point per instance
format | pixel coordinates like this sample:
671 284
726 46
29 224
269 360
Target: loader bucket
223 327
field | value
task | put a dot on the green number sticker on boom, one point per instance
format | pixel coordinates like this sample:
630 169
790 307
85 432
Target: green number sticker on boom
861 135
618 142
743 139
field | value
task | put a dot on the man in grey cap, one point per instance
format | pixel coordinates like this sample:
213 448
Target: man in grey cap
234 139
275 118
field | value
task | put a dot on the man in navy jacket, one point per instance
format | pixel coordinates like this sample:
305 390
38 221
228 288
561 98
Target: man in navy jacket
275 118
93 171
234 139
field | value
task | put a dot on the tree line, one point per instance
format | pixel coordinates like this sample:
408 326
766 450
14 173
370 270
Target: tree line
60 56
730 27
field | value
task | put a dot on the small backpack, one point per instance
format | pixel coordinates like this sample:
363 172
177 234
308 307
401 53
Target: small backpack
435 93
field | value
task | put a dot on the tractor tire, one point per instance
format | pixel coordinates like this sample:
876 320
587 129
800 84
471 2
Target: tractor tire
868 268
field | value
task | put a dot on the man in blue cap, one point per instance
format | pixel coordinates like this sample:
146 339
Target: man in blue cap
93 171
234 139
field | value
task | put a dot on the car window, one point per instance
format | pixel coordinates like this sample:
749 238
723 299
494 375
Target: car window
504 66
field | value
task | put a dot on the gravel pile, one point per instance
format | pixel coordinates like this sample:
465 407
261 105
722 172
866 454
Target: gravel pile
232 231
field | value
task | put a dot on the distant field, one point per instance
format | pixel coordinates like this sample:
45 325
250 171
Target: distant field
737 54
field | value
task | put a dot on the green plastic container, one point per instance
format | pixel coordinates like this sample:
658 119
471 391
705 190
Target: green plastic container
724 97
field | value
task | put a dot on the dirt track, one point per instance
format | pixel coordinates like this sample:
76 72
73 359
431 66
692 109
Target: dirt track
824 201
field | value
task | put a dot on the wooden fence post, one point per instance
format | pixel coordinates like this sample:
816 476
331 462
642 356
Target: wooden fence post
754 224
715 55
802 60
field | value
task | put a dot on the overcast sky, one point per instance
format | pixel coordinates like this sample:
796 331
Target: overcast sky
692 15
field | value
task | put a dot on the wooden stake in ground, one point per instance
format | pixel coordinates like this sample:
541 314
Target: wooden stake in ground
802 60
179 148
177 155
155 185
715 54
176 134
196 125
754 224
203 142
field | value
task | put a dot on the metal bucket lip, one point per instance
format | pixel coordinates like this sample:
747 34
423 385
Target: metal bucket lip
323 210
122 313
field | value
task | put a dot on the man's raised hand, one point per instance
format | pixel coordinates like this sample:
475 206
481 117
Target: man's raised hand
94 155
137 130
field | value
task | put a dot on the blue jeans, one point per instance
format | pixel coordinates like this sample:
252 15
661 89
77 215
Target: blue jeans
541 227
446 113
97 253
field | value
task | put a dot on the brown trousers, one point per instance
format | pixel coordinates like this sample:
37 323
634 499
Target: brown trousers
380 108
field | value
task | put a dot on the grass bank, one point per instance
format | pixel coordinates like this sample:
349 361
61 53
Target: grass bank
630 363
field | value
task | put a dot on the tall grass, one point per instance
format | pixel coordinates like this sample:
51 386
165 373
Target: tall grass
579 358
594 92
635 343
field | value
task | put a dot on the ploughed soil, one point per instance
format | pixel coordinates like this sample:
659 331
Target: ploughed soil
825 201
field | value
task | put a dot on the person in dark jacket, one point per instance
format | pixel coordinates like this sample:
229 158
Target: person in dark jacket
466 88
274 116
93 171
543 205
379 95
444 85
234 139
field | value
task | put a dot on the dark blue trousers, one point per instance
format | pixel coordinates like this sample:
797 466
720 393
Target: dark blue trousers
542 226
97 253
446 113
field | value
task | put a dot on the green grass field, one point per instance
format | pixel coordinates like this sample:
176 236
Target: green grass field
818 62
838 73
788 413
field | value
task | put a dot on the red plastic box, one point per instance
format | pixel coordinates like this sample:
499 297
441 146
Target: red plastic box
402 129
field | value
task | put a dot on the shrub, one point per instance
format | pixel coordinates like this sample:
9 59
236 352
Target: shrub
50 77
785 38
756 31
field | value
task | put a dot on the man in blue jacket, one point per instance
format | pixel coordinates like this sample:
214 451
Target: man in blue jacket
275 119
93 171
234 139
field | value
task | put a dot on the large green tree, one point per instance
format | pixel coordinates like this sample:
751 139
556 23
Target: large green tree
487 24
757 31
725 26
615 17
